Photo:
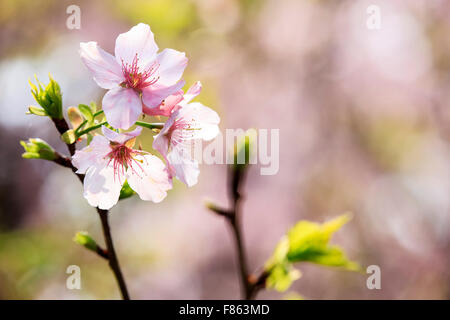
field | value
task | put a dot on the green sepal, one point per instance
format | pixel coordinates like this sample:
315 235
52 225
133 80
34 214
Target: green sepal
69 136
126 191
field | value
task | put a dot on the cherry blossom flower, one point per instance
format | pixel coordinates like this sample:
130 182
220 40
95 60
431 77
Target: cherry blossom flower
110 160
189 122
136 75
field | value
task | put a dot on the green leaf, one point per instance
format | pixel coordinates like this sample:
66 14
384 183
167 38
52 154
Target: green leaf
83 238
87 112
308 241
36 111
94 107
282 276
69 136
89 138
126 191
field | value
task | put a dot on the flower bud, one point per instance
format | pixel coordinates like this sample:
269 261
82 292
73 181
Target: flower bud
244 149
50 99
37 149
84 239
75 117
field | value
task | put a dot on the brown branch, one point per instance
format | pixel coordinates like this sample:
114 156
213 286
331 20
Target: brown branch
62 126
109 254
102 252
112 258
233 216
235 224
257 283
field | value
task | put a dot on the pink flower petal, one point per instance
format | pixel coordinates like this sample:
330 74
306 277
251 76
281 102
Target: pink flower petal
101 186
152 96
203 120
193 91
139 40
172 65
92 154
104 67
150 180
186 169
161 140
122 107
166 107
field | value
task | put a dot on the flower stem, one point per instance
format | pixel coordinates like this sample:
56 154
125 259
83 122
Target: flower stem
97 126
150 125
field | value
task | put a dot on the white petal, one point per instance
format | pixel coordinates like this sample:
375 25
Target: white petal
122 107
120 137
186 168
150 180
204 121
104 67
171 66
161 140
193 91
102 187
91 155
139 40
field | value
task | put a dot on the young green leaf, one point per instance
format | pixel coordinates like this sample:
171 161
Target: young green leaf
94 107
36 111
306 241
87 112
282 276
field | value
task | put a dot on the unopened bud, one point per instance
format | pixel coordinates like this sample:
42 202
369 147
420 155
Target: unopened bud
84 239
244 149
36 148
75 117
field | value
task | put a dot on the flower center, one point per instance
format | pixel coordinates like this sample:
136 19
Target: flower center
137 79
123 158
182 131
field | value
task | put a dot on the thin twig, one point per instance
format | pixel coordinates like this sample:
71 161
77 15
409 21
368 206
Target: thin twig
102 252
236 178
112 258
233 216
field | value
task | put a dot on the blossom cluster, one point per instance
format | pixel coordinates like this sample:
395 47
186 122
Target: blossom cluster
141 81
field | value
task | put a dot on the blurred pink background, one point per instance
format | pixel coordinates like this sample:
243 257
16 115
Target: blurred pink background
364 125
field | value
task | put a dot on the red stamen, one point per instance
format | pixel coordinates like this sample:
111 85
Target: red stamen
137 79
123 158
